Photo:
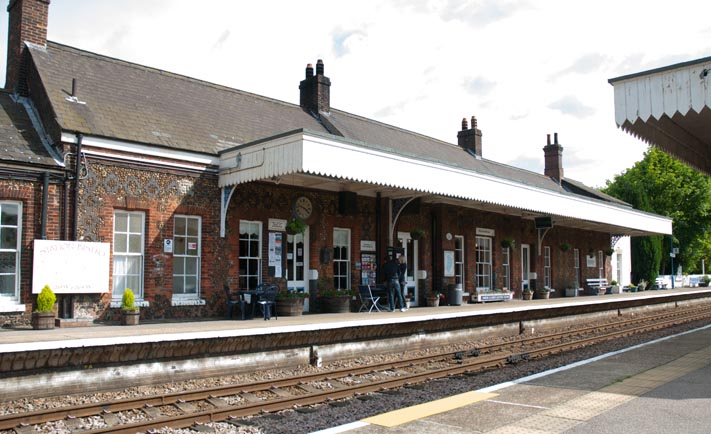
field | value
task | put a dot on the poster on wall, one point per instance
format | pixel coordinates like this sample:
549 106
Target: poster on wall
71 267
590 261
275 253
449 263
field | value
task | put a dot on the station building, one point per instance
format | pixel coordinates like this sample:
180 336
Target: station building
193 186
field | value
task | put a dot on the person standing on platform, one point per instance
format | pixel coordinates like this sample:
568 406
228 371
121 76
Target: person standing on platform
392 279
402 278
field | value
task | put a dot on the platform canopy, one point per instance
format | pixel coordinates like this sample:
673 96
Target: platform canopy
669 108
327 162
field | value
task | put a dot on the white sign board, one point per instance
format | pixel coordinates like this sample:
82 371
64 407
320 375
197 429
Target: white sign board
276 225
71 267
486 232
367 246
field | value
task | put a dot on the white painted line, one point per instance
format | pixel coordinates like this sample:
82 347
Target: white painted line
342 428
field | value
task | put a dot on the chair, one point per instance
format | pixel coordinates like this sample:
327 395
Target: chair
367 299
232 303
267 301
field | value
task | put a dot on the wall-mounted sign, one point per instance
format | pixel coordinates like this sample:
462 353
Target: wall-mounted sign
485 232
590 261
168 246
367 246
278 225
449 263
71 267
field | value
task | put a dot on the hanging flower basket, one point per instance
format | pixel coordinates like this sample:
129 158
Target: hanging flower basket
565 247
508 243
417 234
295 226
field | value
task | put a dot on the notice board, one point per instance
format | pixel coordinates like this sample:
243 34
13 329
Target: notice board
71 267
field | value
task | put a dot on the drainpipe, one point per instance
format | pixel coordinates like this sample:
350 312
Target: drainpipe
77 172
45 188
378 232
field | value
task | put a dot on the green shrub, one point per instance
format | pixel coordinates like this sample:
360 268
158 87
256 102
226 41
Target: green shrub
46 300
128 301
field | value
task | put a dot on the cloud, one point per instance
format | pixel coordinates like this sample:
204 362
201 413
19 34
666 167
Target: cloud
570 105
528 163
481 13
221 40
479 86
342 39
391 110
585 64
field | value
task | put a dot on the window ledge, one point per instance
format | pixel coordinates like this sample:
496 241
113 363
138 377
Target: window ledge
9 307
138 303
188 302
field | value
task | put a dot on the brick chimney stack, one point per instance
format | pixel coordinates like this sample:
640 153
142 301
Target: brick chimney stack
470 139
27 23
315 90
553 159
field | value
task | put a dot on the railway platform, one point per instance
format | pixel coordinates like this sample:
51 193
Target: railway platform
659 387
84 359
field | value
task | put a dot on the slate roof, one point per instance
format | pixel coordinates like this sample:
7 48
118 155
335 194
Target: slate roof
19 142
126 101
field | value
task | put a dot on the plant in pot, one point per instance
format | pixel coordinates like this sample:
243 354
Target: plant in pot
417 233
290 302
564 247
296 226
130 313
333 300
642 285
433 298
614 289
704 281
43 316
527 293
508 243
543 293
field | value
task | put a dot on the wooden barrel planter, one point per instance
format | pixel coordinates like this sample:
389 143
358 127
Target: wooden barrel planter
335 304
290 306
130 317
42 320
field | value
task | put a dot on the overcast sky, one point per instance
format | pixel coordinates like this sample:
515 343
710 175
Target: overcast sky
523 68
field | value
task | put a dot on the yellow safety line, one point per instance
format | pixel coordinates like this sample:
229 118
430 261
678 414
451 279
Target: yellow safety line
399 417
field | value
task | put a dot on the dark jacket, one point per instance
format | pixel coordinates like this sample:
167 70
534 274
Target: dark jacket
390 270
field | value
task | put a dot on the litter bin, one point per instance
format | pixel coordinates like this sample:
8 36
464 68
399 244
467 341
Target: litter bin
454 294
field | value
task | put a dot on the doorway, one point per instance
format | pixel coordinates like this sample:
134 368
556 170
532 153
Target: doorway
525 266
297 263
409 246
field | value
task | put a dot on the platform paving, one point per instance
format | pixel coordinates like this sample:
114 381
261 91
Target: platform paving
661 387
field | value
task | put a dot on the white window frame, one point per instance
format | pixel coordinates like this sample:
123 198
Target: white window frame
346 261
601 264
576 267
547 266
198 256
117 292
506 267
17 250
483 266
258 258
459 271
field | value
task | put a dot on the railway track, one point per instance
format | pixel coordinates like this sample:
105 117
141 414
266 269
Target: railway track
233 402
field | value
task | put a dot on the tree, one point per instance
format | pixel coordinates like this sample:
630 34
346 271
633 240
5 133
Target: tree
662 185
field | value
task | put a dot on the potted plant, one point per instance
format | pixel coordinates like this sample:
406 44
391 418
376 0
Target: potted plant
417 233
564 247
571 291
290 302
614 289
130 313
43 316
508 243
704 281
333 300
295 226
527 294
433 298
543 293
641 285
609 251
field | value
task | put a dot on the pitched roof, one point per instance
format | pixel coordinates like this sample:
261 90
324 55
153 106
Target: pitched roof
19 142
131 102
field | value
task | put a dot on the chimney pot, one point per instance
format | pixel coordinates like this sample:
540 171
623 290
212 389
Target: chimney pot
555 138
474 123
74 87
465 125
309 70
549 139
319 67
